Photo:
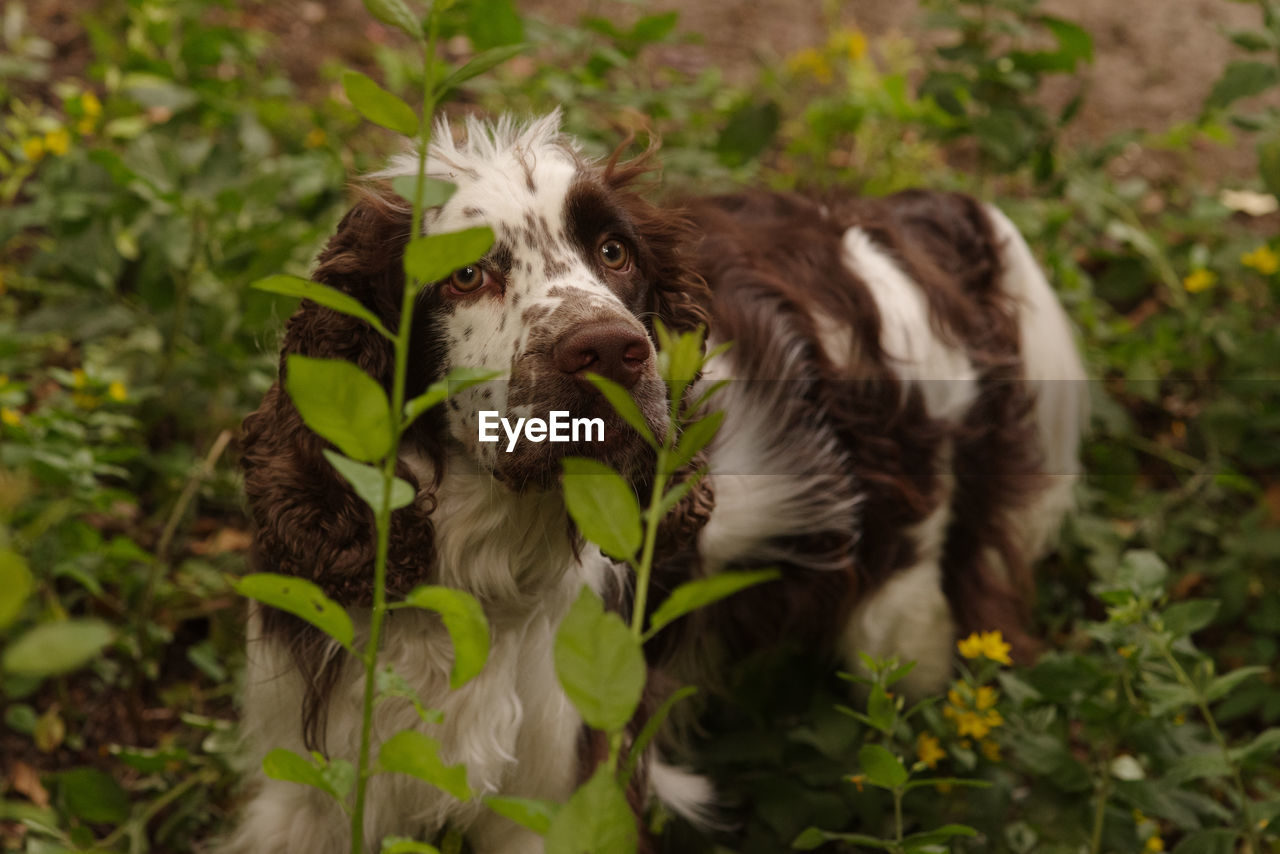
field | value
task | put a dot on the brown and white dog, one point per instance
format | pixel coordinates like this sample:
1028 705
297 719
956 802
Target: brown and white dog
900 438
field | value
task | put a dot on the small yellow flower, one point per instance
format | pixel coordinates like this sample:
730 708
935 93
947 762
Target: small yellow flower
315 138
853 43
1264 259
991 749
985 645
1154 843
928 750
85 126
810 61
985 698
91 105
10 416
58 142
33 148
1199 280
117 392
79 379
857 780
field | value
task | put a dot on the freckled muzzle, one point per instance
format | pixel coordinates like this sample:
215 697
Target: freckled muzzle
551 375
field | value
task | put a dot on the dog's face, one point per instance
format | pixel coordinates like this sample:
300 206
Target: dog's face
561 293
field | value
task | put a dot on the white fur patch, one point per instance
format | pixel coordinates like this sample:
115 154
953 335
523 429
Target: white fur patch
945 376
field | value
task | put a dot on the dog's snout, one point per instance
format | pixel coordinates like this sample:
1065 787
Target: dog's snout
611 349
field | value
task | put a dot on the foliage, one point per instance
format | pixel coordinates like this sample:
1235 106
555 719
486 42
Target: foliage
143 196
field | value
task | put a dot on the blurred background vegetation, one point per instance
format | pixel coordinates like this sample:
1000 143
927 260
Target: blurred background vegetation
157 156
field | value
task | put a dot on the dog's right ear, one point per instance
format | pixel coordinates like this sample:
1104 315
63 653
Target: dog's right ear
309 522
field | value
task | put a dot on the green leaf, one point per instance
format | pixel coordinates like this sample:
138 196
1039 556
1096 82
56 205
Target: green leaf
404 845
493 23
596 820
750 129
599 663
812 838
603 507
1074 42
882 768
281 764
1264 746
1189 617
432 257
624 404
292 286
302 599
435 192
697 436
937 836
396 14
57 647
1227 682
15 586
1242 79
1218 840
1197 766
467 626
1269 163
679 361
367 482
678 492
479 64
704 591
378 105
880 710
93 796
459 379
532 813
341 403
410 752
650 729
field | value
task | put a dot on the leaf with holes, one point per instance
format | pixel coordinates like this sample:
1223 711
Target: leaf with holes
465 621
378 105
341 403
302 599
432 257
599 663
603 506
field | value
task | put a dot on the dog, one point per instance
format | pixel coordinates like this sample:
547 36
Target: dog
900 440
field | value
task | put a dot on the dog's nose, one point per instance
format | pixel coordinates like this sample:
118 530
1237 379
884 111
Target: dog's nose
611 349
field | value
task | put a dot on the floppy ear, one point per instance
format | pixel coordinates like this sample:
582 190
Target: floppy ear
309 522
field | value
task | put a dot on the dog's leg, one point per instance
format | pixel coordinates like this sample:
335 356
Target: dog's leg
908 615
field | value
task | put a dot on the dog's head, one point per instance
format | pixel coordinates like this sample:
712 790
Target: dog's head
580 269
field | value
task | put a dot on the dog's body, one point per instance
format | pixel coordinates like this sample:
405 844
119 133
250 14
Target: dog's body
891 442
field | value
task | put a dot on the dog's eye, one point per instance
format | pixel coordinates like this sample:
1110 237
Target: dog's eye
614 254
467 279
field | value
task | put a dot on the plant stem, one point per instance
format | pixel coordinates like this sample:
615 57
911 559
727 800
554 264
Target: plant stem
897 816
1100 808
206 777
383 519
1202 704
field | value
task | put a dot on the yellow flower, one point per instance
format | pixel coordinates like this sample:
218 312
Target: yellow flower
973 713
1199 280
853 43
33 148
91 105
1154 843
10 416
1264 259
928 750
117 392
985 645
58 142
79 379
985 698
976 724
991 749
315 138
811 61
